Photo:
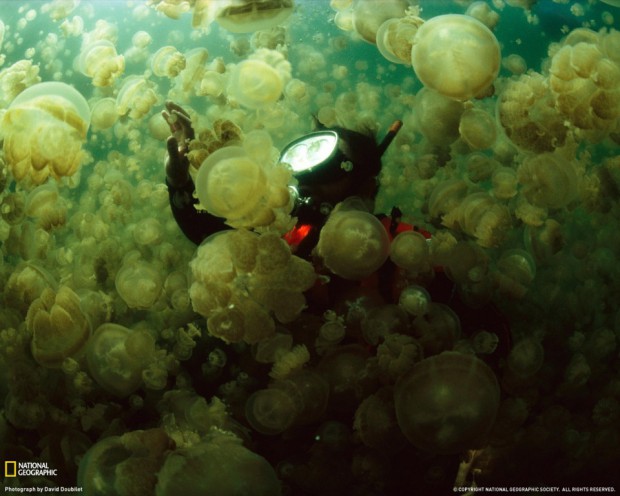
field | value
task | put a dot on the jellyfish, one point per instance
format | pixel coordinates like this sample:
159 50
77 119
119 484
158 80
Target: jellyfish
103 114
195 68
119 464
395 36
44 129
117 356
437 116
548 179
168 62
528 114
221 463
16 78
447 403
478 129
456 55
58 326
246 16
482 12
101 63
585 77
369 15
515 64
138 283
234 183
259 81
409 251
353 243
136 97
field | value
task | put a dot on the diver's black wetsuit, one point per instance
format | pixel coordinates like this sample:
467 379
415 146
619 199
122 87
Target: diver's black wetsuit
320 190
195 224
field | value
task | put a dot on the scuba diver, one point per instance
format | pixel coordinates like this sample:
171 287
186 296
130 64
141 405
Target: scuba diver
329 165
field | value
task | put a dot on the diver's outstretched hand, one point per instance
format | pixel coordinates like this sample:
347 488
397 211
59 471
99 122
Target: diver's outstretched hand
182 132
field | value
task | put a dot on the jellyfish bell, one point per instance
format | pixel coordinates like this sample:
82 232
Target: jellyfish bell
99 61
456 55
259 81
394 38
447 403
247 16
68 104
234 184
103 114
136 97
44 129
353 244
168 62
226 180
369 15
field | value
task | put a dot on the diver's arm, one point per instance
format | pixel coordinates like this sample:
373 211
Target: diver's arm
195 224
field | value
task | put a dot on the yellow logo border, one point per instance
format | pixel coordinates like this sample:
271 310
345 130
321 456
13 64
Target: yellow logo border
6 469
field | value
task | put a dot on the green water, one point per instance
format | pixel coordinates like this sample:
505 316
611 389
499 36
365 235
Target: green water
536 266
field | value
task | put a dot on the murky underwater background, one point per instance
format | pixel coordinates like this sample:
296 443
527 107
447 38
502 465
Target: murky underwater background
134 362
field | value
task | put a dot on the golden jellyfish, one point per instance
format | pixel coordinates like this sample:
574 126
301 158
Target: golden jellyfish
103 114
456 55
415 300
482 217
447 403
59 328
100 62
259 81
195 67
516 270
515 64
116 357
171 8
141 39
168 62
446 197
101 471
344 19
138 284
585 80
369 15
478 129
269 38
505 182
60 9
528 114
235 184
394 38
353 243
136 97
482 12
16 78
246 16
548 180
44 129
410 251
158 127
45 204
437 116
221 463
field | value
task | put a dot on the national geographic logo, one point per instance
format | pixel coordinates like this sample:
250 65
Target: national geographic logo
28 469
